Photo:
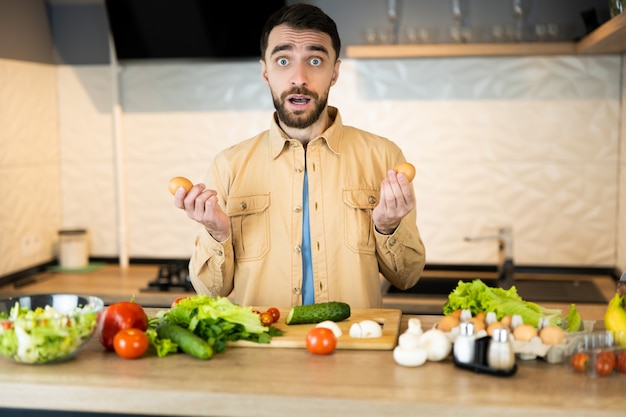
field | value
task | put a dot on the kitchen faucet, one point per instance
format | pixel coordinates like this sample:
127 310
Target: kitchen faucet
506 268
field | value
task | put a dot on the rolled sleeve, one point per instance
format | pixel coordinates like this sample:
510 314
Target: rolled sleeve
211 266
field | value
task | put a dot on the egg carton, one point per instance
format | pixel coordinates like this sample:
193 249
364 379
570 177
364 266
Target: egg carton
534 348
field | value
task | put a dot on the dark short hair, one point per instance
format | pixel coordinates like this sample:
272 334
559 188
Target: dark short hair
303 17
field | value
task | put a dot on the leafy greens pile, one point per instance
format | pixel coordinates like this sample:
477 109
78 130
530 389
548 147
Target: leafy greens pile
216 320
476 296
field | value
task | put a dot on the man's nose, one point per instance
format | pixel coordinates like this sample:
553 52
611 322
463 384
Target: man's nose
299 76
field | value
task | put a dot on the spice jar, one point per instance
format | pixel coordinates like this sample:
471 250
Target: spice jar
500 354
463 349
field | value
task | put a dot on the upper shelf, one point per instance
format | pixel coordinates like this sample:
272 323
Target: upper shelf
610 38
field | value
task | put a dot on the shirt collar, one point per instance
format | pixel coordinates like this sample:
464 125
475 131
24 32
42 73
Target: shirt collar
332 136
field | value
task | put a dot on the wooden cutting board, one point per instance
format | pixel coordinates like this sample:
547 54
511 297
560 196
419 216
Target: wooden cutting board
295 334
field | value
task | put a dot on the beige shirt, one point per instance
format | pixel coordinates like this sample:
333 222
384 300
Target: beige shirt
260 184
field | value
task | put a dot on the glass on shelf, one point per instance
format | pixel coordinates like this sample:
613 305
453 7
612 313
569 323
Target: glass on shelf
616 7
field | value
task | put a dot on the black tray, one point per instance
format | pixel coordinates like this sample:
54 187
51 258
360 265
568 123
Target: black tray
479 364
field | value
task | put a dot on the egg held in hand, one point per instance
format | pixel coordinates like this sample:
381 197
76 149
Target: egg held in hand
177 182
407 169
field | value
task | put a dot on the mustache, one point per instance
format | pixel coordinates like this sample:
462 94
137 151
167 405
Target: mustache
300 91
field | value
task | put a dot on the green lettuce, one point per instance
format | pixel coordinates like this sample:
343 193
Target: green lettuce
215 319
477 296
574 321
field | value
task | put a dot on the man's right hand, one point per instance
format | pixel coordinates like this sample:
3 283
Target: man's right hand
202 205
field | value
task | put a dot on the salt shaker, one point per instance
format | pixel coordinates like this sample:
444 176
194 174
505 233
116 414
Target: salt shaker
500 354
463 350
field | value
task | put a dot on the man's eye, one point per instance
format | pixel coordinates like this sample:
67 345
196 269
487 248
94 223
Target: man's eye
282 61
316 62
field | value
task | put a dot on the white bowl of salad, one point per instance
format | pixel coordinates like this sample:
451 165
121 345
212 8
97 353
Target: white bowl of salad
45 328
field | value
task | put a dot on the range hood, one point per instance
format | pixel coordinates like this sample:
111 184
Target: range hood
166 29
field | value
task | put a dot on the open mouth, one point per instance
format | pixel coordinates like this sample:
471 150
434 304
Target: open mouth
299 100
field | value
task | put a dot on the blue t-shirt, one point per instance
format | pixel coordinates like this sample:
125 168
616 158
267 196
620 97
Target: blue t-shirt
308 296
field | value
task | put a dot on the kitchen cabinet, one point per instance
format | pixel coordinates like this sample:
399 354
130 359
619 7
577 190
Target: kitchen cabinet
609 38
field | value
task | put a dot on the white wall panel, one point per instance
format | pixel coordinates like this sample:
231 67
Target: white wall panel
530 143
29 165
87 151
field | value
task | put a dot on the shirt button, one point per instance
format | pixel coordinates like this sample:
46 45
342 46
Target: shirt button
219 253
299 169
297 248
297 209
243 206
392 241
372 199
296 290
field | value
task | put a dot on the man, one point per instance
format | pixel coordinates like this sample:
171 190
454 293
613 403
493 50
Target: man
310 210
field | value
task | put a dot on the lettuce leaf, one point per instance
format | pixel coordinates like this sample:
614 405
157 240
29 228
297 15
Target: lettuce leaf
477 296
573 320
215 319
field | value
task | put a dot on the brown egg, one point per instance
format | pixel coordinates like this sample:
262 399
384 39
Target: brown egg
506 320
407 169
494 325
447 323
177 182
524 332
480 316
552 335
478 323
456 313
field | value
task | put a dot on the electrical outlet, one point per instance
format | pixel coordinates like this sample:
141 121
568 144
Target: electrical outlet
31 244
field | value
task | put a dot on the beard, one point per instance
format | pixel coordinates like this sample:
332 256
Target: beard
298 119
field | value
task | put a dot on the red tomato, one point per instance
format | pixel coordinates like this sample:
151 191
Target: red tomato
274 312
321 341
621 361
608 356
120 316
176 301
604 366
266 319
131 343
580 361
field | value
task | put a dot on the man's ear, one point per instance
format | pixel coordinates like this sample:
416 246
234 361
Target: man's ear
335 75
264 71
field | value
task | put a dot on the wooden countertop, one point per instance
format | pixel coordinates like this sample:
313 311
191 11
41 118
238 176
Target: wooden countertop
245 381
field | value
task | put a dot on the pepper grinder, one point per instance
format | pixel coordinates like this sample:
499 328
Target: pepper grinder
500 354
463 349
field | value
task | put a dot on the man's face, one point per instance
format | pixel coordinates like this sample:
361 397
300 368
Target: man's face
299 67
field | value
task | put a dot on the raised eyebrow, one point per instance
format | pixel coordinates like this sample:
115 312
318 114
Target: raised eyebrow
280 48
319 48
288 47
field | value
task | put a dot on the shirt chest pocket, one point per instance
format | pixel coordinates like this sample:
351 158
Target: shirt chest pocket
359 230
250 225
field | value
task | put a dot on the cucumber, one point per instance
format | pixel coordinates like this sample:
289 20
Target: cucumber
317 313
187 341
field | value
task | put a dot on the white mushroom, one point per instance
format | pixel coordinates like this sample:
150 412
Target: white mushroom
409 357
329 324
437 344
366 329
408 340
415 326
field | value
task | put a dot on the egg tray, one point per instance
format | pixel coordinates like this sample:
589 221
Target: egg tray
480 365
